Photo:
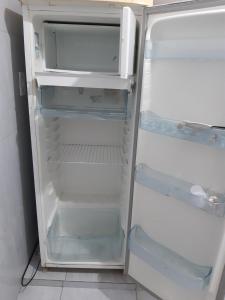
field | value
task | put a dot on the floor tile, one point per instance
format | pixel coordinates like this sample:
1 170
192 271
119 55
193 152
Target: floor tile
45 275
40 293
97 294
44 282
144 295
101 276
49 274
99 285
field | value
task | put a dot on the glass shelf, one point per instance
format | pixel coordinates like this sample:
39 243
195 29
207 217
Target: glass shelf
211 202
199 49
84 235
83 79
167 262
83 114
194 132
89 154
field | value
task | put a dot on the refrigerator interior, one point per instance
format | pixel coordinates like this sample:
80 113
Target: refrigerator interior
85 144
180 157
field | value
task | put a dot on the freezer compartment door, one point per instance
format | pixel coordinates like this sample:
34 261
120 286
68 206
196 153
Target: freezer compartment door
177 234
127 42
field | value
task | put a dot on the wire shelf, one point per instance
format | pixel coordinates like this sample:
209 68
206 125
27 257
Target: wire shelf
89 154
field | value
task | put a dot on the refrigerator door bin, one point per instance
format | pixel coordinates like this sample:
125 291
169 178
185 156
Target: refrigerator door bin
167 262
197 133
84 235
205 199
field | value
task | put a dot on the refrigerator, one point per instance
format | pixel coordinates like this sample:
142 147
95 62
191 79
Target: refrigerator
127 108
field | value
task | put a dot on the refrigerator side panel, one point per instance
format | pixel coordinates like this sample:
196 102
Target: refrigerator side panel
29 44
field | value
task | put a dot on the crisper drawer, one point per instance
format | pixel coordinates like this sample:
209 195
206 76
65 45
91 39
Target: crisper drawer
86 46
84 235
68 102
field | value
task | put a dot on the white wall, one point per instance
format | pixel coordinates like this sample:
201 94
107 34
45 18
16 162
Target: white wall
17 209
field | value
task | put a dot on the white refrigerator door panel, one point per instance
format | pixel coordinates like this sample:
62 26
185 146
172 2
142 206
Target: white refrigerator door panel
177 237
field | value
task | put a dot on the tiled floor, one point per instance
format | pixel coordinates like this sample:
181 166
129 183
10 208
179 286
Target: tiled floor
80 285
40 293
97 294
64 293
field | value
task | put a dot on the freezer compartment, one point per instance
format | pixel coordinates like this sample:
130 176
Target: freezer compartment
82 47
86 44
67 102
82 235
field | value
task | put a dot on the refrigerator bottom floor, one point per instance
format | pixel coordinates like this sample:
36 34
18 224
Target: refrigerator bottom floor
85 235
